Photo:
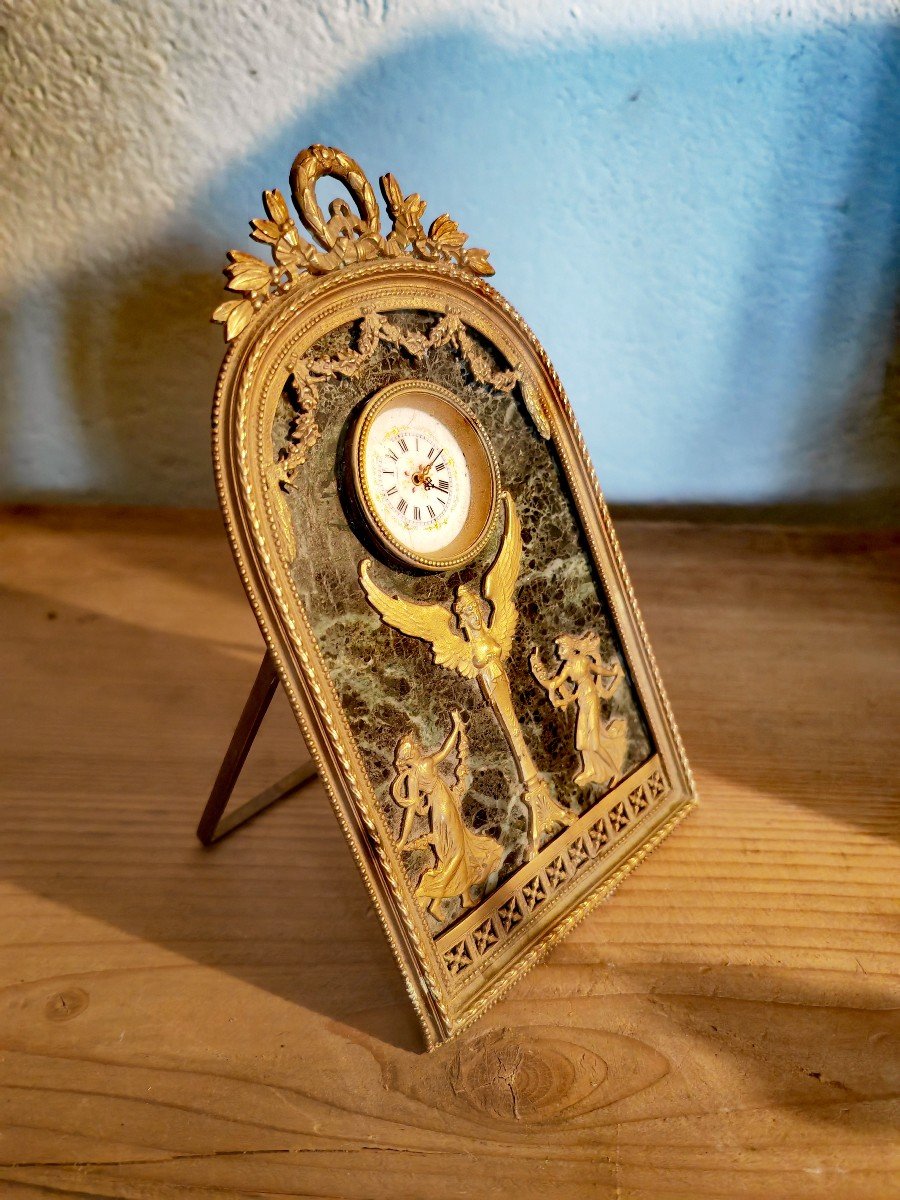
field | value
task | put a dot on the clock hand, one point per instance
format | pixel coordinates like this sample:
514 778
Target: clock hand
423 477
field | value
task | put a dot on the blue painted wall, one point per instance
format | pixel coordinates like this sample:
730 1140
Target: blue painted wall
702 231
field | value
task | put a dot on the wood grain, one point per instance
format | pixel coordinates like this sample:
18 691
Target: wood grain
229 1023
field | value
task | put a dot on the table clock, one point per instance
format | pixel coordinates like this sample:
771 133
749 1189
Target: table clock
423 540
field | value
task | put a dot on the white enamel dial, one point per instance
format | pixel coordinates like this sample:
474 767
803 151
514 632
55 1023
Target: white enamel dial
424 475
418 478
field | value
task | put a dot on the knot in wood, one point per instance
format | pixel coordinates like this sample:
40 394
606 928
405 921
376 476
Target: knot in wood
524 1075
62 1006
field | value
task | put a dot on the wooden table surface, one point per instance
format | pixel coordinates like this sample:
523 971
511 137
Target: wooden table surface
177 1022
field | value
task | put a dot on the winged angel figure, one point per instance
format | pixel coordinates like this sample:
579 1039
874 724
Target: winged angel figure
464 639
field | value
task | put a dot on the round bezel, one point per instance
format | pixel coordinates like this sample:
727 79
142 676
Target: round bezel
485 485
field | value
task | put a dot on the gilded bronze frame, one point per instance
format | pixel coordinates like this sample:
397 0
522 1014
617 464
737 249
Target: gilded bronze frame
454 977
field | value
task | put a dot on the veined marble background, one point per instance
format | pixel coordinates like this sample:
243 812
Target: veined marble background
387 681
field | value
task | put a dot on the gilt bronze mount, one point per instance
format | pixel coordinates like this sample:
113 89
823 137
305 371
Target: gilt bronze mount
454 627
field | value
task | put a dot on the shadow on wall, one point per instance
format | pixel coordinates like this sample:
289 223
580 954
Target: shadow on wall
700 232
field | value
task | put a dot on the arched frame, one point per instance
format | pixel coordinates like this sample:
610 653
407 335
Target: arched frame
453 974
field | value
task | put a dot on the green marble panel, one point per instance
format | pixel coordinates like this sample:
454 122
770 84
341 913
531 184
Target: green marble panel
386 681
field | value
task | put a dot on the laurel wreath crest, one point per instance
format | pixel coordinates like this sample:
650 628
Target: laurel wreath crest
345 237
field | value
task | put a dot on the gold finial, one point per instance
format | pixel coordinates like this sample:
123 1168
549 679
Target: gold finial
345 237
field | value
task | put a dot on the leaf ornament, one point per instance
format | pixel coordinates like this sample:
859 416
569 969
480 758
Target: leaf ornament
345 238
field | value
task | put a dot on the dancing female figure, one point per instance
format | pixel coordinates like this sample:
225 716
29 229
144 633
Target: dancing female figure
582 680
464 859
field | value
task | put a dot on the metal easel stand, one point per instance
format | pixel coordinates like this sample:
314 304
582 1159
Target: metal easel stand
213 827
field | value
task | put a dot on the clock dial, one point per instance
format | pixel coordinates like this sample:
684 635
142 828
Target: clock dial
425 476
418 478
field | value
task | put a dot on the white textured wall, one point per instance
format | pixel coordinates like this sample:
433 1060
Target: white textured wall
692 203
